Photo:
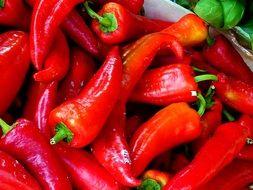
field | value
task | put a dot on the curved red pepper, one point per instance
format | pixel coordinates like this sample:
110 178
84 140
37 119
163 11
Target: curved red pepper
14 13
218 151
57 61
165 60
134 5
236 175
159 133
115 24
84 170
46 17
246 153
14 61
41 99
81 70
178 162
13 169
110 148
80 119
223 56
27 145
165 85
235 93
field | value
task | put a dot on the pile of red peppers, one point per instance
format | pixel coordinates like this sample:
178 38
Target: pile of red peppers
95 95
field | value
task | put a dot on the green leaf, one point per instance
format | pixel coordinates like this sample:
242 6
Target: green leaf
1 3
188 4
233 11
211 11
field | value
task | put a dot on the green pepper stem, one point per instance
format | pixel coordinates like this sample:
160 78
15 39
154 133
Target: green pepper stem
149 184
202 104
205 77
210 40
198 69
2 3
62 133
5 127
228 115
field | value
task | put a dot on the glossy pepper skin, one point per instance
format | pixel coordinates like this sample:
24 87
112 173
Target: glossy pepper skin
159 134
124 25
82 68
46 17
165 85
14 63
223 56
236 175
39 158
84 170
218 151
235 93
57 61
15 172
41 99
111 143
15 14
134 6
190 30
85 114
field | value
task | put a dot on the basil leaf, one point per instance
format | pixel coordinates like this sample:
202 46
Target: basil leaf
233 11
1 3
211 11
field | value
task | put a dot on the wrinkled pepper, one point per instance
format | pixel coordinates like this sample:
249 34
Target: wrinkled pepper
234 93
15 14
23 141
218 151
111 28
84 170
79 120
57 61
47 15
41 99
159 134
15 172
224 57
82 68
14 61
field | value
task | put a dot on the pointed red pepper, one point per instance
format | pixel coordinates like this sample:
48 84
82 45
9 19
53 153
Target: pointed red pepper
12 172
79 120
115 24
24 142
218 151
46 18
57 61
223 56
82 68
235 93
159 134
84 170
14 61
14 13
41 99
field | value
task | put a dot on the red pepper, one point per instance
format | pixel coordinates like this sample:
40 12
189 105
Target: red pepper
46 18
14 61
41 99
81 70
115 24
236 175
223 56
24 142
159 134
110 148
132 124
84 170
165 85
209 122
215 154
57 61
178 162
166 60
15 172
190 30
79 120
246 153
235 93
134 5
14 13
247 122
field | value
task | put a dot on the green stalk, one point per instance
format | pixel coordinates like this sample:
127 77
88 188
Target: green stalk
62 133
5 127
